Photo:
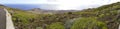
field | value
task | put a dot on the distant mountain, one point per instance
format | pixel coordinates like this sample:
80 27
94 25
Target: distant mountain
41 11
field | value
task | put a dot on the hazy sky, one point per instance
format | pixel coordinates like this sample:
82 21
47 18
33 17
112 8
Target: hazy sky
63 4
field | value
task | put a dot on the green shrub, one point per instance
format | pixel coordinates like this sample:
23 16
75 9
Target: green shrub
57 25
88 23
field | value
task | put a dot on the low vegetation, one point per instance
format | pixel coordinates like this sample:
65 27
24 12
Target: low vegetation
104 17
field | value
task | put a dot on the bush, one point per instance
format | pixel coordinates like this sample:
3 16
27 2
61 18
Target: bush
88 23
57 25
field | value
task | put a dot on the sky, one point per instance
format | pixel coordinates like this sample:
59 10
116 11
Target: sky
63 4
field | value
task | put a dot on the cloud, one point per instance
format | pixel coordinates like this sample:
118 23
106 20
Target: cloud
62 4
83 4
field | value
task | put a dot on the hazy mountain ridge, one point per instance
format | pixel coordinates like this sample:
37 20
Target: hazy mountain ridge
41 11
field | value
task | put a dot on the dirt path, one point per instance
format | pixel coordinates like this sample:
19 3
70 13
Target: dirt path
9 23
5 20
119 27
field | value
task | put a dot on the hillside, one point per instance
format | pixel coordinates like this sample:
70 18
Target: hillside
104 17
41 11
